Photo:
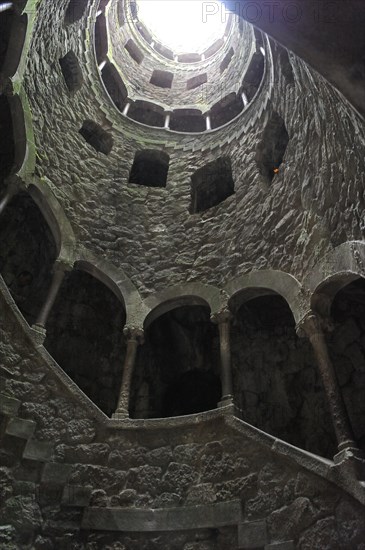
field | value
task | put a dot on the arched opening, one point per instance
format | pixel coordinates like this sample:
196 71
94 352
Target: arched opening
75 11
275 377
6 21
114 85
213 48
147 113
7 145
166 52
177 370
28 252
150 168
13 41
189 57
347 350
226 109
252 79
187 120
85 337
101 38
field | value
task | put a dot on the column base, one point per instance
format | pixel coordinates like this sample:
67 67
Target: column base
352 462
120 415
225 401
39 334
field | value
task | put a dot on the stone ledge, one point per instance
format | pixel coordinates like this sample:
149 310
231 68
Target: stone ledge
163 519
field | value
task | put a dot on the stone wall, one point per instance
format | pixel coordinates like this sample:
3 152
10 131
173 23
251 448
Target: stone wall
57 459
310 206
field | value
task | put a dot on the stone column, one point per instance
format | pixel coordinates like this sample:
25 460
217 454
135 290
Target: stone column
102 65
134 337
167 121
207 122
311 327
11 191
59 270
223 319
126 108
244 99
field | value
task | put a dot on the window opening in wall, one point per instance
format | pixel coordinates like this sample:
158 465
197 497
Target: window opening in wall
134 51
71 71
162 79
75 10
226 61
97 137
211 185
196 81
271 150
286 66
150 168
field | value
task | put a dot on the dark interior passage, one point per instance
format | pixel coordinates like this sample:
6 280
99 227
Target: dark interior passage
177 370
7 147
276 379
85 336
28 252
347 347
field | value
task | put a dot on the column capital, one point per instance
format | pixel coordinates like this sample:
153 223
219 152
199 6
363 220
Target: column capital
134 334
309 325
62 265
312 323
222 316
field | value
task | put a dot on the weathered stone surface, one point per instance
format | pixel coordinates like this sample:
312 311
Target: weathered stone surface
252 534
41 451
19 427
285 522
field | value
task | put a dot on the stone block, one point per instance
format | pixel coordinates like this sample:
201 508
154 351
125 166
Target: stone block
56 473
252 534
20 427
8 405
41 451
76 495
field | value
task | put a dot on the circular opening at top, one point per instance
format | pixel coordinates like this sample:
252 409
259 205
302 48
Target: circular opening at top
183 25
